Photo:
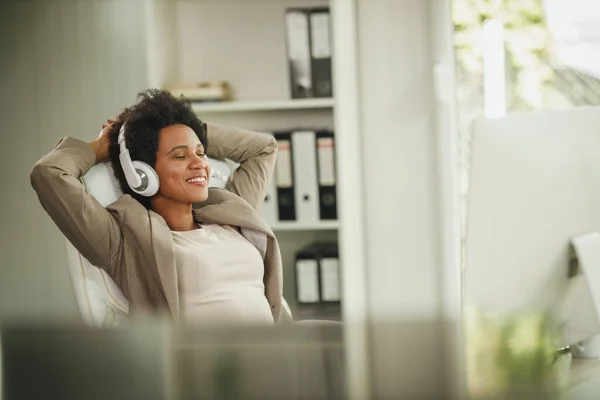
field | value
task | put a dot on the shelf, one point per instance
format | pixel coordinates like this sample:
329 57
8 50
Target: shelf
294 226
319 311
275 105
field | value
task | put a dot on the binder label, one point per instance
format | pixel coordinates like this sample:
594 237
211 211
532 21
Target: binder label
326 161
321 47
284 164
298 45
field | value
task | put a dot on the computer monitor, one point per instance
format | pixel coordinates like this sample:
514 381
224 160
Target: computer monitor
534 186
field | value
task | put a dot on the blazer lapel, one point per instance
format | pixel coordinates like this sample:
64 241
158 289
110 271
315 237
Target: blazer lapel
165 260
226 208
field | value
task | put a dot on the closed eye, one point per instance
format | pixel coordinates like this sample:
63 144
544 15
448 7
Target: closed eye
201 155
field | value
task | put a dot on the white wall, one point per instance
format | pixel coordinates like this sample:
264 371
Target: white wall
408 236
65 67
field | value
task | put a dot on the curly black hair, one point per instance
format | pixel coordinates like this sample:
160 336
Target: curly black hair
154 110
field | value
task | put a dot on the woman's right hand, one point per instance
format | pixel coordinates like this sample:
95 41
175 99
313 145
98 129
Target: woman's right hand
102 144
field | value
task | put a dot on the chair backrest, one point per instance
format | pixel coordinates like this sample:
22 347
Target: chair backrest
98 297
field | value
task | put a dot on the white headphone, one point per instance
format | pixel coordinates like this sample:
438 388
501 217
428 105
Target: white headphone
141 177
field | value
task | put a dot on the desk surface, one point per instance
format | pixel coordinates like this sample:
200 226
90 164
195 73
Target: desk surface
150 361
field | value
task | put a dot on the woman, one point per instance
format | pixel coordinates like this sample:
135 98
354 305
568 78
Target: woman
215 262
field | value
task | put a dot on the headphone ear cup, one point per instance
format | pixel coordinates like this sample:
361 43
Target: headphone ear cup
150 181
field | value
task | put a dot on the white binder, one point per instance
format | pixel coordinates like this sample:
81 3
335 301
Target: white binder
305 176
298 51
330 279
307 281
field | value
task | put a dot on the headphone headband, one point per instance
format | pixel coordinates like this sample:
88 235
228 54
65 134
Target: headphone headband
121 138
134 180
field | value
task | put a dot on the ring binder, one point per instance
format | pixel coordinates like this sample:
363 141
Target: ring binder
284 177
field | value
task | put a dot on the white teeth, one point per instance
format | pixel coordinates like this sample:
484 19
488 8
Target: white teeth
198 179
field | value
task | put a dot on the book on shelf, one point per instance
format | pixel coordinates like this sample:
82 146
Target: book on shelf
303 188
308 48
203 92
317 272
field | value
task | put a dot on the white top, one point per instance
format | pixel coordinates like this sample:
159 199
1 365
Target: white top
220 277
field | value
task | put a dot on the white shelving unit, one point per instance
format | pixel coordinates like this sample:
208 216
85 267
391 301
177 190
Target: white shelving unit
194 41
250 106
295 226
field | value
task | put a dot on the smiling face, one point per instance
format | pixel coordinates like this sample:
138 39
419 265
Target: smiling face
181 165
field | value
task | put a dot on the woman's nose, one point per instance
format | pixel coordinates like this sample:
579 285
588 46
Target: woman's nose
198 162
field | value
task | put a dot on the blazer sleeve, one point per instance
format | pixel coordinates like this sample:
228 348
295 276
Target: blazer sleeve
255 152
93 230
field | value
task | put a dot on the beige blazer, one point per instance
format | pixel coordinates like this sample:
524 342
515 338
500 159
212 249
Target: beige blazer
134 245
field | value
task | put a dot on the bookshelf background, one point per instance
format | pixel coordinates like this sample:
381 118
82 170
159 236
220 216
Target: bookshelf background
244 43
